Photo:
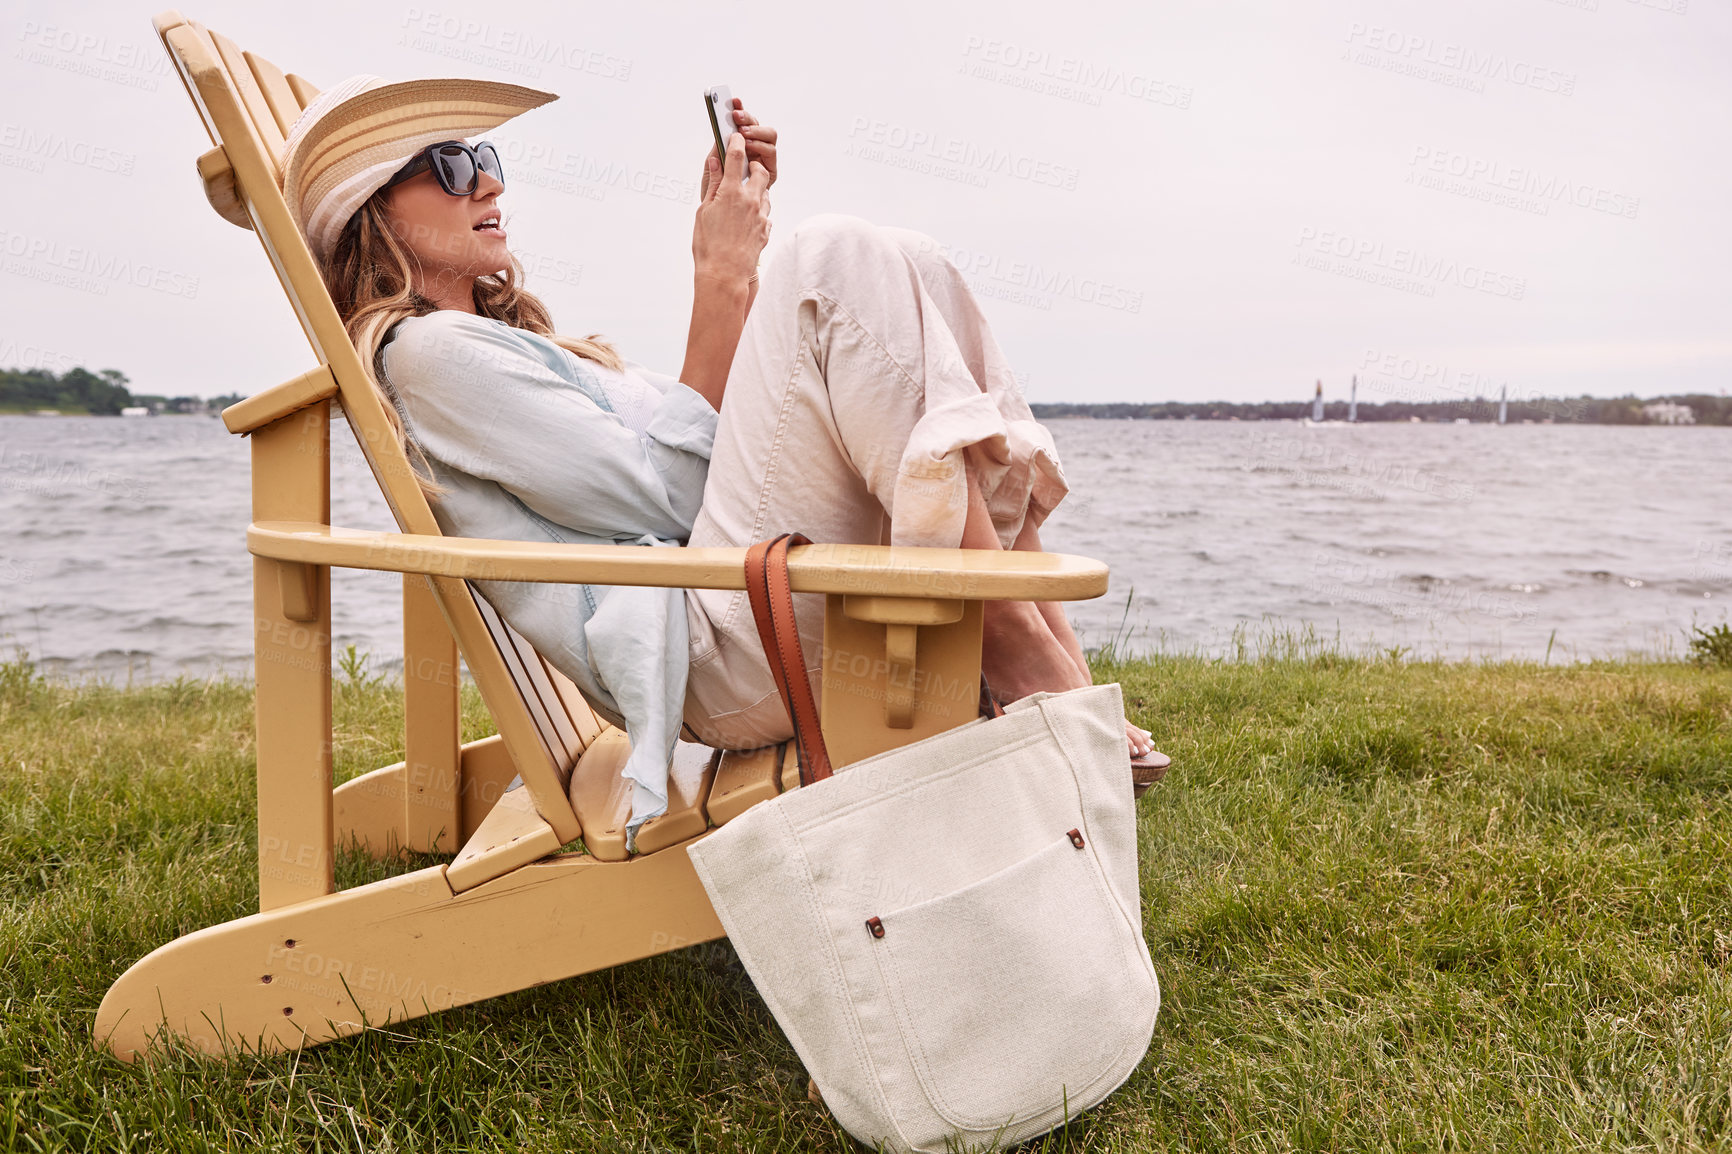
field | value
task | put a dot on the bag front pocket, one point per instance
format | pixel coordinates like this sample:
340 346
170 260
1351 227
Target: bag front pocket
1019 994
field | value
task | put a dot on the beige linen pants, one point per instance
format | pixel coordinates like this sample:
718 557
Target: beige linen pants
865 378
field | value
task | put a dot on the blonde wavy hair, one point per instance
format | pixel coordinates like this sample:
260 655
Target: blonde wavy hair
369 273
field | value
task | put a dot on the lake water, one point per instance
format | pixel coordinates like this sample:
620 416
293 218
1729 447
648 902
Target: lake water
124 549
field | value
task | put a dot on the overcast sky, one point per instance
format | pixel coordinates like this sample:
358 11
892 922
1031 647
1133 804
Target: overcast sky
1161 200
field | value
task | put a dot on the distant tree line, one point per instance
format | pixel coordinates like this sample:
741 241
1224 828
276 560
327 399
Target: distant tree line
1708 410
105 392
76 390
82 391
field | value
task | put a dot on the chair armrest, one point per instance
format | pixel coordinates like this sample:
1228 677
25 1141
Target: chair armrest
872 570
279 401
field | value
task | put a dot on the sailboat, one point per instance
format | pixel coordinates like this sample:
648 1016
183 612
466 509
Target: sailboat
1315 420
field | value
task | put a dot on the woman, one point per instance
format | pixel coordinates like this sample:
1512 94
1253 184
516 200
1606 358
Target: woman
848 389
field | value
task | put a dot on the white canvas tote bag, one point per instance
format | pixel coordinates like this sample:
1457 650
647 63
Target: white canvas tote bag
949 933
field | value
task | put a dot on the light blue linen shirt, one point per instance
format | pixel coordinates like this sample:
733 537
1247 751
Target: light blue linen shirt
537 444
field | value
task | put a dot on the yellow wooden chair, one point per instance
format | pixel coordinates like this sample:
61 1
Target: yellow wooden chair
511 910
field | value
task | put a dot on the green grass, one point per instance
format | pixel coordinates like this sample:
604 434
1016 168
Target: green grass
1393 906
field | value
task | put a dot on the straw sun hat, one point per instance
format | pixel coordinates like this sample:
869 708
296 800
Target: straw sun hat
355 136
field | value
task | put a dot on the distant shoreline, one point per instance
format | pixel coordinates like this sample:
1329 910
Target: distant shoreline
1704 412
1674 411
52 412
79 392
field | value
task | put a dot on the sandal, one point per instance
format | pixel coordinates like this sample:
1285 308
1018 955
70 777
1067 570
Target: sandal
1145 770
1148 769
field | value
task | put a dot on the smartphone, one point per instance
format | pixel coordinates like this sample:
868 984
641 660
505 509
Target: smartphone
720 104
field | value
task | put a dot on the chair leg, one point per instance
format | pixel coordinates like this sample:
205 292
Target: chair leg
433 780
292 667
400 949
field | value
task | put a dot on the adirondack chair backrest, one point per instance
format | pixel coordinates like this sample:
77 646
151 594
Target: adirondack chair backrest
248 106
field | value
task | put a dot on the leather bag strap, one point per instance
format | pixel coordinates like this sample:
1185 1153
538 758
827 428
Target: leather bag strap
989 706
773 609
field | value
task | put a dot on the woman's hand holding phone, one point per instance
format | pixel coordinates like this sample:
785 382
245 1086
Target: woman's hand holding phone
733 219
760 146
731 229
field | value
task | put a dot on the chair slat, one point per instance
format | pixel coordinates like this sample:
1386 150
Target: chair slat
305 90
562 733
601 797
511 835
543 701
275 86
744 778
690 775
252 99
503 640
583 718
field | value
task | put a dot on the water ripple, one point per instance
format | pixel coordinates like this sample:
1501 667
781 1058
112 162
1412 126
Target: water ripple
125 546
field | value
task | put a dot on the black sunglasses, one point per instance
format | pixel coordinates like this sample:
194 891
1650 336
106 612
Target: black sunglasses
455 165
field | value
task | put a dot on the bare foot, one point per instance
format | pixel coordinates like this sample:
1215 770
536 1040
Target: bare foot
1139 739
1020 655
1030 646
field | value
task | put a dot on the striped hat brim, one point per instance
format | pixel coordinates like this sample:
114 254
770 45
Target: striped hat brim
357 134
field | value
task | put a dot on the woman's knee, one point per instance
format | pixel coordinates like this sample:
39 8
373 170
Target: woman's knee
836 228
923 250
834 249
858 236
